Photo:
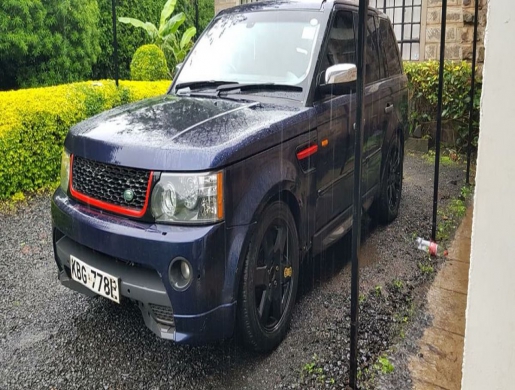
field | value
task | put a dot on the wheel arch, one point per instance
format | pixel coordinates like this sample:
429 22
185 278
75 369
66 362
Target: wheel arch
280 192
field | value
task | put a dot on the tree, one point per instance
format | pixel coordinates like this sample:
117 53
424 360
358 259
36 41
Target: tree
47 42
167 36
129 40
206 12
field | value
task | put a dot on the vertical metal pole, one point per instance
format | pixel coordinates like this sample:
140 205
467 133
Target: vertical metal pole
115 42
196 16
439 118
402 27
357 206
472 88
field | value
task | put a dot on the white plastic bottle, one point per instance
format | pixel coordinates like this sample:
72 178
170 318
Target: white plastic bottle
430 246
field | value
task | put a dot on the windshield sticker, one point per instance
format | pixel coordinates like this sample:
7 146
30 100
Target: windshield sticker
308 32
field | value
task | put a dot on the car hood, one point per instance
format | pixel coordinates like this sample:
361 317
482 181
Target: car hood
173 133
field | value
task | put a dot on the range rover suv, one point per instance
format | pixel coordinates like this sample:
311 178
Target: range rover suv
203 204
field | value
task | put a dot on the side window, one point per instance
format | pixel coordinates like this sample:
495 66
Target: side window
341 47
390 50
373 64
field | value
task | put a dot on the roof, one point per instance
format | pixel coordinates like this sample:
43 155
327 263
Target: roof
291 4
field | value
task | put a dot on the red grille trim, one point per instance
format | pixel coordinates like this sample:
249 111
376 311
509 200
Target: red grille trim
127 211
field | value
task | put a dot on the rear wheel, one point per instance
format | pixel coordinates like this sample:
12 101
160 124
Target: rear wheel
386 207
270 279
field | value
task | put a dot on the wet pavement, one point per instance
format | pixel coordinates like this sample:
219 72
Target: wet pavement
437 365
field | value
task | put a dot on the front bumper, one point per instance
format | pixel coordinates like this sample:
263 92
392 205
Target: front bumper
140 255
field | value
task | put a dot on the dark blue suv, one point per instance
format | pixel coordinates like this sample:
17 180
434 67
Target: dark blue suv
202 205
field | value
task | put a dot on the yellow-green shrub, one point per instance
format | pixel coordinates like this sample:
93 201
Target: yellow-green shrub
149 64
34 123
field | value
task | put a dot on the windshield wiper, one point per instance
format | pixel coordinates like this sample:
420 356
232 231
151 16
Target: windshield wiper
257 87
203 84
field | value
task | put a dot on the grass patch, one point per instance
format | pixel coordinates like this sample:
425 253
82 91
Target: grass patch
447 157
451 215
312 369
384 365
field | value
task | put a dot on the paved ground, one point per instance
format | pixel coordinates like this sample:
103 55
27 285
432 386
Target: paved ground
51 337
438 363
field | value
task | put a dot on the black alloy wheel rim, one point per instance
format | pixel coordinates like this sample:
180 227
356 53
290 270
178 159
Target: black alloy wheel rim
394 180
273 276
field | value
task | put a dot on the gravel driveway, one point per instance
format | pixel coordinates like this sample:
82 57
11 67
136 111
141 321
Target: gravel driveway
53 338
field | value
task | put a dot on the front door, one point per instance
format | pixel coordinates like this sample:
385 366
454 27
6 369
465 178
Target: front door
335 117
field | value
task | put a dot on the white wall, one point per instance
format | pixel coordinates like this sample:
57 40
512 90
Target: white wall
489 361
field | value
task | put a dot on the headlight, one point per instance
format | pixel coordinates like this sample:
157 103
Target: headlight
188 198
65 171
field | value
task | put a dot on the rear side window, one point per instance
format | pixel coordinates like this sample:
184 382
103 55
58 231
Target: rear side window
389 46
373 66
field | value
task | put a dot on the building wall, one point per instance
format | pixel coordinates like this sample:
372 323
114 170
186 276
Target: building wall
223 4
489 361
459 29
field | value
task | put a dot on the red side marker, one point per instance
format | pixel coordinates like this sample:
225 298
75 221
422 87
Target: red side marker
305 153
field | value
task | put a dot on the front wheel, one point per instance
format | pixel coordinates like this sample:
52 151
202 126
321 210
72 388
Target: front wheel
270 279
386 207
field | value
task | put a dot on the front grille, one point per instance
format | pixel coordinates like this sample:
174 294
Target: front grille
108 183
163 314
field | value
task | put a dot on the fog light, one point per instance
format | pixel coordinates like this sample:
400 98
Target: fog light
180 274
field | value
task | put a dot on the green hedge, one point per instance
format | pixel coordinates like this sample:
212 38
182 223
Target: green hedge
149 64
423 90
34 123
47 42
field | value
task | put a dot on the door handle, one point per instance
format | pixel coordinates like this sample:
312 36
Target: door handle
389 108
364 123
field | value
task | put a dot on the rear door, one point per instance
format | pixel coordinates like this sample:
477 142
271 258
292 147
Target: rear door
395 82
376 99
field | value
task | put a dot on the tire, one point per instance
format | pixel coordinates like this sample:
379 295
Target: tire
386 207
270 279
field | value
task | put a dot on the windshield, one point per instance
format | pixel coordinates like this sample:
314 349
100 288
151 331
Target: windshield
258 47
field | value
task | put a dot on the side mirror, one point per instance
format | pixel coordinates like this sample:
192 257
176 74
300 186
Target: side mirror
341 74
178 66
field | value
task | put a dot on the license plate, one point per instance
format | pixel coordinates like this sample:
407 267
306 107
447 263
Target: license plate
98 281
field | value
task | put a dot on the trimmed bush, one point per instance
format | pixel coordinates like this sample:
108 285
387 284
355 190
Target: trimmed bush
34 123
423 91
149 64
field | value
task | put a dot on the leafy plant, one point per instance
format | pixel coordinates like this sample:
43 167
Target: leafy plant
398 284
426 269
384 365
378 290
423 99
167 36
149 64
